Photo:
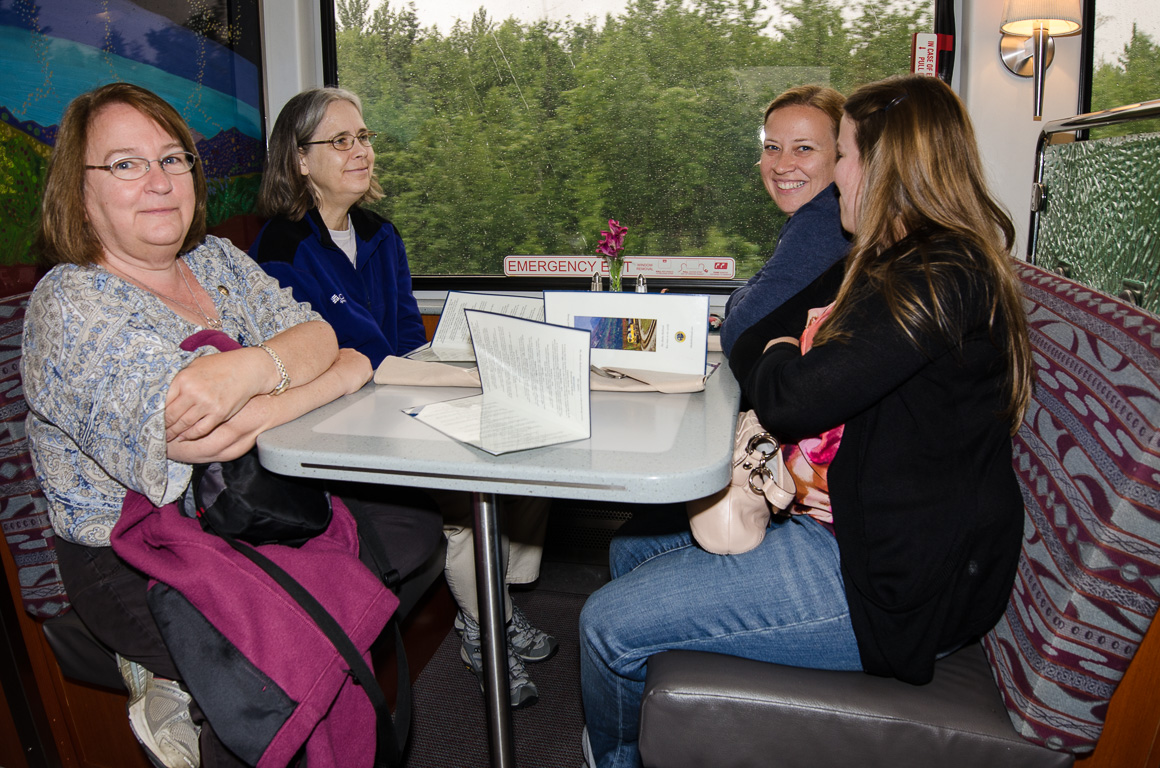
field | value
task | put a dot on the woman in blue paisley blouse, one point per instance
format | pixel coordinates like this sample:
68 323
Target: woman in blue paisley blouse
115 404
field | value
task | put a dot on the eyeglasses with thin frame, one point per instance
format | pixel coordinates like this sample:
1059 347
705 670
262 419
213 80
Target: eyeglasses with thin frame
344 142
132 168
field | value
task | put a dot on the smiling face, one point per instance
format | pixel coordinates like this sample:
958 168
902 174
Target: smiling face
144 220
848 176
339 179
798 155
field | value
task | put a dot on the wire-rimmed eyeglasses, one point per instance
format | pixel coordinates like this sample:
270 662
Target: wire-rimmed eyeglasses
132 168
344 142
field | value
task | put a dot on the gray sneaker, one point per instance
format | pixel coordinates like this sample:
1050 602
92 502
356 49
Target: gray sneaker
137 678
160 720
523 691
529 643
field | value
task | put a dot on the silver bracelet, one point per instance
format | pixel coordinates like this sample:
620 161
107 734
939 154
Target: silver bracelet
285 382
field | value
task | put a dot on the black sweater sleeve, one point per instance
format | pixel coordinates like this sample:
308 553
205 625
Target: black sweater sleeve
787 320
798 396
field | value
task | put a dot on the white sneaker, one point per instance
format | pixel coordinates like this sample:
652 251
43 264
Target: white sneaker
161 722
586 747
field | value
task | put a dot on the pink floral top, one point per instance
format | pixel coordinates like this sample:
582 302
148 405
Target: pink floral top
809 459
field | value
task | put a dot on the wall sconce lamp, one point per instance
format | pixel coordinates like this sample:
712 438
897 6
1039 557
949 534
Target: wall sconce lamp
1027 47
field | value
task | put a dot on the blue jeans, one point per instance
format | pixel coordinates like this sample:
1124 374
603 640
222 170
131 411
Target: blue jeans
782 602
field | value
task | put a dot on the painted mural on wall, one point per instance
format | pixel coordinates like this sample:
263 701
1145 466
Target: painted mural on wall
203 56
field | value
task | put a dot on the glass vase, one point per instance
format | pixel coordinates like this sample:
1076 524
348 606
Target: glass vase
614 268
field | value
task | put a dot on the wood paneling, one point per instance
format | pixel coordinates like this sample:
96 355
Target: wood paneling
1131 737
11 750
423 631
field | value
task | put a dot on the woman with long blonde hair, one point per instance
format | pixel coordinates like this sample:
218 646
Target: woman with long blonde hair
895 405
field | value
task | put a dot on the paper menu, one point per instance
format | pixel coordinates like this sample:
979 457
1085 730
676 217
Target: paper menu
536 387
452 339
641 331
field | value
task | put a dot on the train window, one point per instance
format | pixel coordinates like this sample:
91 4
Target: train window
1126 63
505 131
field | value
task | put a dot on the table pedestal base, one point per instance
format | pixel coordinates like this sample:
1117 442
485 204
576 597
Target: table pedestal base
489 580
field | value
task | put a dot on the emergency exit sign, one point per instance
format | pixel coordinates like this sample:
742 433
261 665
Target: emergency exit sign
704 267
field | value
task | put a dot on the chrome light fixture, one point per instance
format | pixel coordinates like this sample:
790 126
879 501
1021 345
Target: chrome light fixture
1027 47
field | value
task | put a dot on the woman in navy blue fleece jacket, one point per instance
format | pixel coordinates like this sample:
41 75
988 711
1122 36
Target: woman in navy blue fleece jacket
799 152
367 300
347 262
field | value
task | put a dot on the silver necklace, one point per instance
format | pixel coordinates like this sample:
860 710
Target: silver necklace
214 323
211 323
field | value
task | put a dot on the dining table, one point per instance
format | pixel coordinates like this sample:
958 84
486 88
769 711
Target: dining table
645 447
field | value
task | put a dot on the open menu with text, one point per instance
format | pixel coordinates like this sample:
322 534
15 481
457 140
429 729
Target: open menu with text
536 387
451 342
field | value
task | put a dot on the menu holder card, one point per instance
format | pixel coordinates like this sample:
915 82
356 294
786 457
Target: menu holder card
452 339
536 388
639 331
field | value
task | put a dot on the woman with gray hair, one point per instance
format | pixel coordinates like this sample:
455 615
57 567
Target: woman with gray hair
347 262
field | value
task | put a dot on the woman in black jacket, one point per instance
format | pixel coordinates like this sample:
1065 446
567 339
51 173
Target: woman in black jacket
898 415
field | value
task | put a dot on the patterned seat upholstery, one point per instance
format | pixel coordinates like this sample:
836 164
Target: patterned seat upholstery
23 510
1088 459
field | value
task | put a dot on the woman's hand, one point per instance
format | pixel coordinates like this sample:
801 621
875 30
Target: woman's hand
209 391
781 339
212 389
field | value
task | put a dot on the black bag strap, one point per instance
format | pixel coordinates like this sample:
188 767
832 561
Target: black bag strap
368 538
390 736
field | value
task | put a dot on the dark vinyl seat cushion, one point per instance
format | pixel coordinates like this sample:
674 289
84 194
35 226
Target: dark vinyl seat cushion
81 656
702 709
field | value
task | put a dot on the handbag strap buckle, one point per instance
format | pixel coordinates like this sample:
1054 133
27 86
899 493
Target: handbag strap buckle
758 478
758 451
763 443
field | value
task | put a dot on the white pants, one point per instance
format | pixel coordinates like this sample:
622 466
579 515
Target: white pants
525 521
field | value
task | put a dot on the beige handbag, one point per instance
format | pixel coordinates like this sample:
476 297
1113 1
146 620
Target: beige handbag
734 519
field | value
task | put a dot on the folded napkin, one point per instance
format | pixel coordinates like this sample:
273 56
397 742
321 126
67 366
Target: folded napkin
415 373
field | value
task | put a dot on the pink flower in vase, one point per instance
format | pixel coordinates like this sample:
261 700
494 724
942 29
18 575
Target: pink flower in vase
610 247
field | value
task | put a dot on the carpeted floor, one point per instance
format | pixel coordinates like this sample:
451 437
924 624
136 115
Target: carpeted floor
448 728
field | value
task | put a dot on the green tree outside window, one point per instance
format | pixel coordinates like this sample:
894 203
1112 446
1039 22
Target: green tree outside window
503 137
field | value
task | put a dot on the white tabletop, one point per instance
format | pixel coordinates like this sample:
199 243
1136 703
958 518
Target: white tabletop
645 447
